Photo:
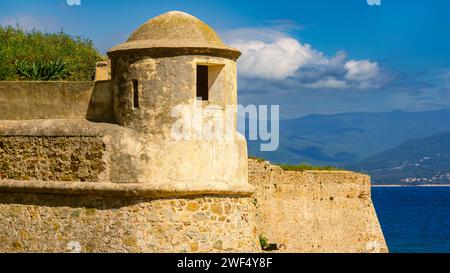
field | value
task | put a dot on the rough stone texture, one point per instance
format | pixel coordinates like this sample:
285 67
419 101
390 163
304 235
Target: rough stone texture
176 26
103 71
147 154
62 223
141 183
315 211
132 157
51 158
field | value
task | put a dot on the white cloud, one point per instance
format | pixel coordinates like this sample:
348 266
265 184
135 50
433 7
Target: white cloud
73 2
274 55
277 60
362 70
374 2
328 83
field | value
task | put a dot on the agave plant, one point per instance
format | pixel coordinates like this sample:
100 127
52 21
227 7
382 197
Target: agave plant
42 70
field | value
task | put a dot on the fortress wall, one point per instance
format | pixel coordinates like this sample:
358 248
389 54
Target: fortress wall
63 158
56 100
315 211
299 211
82 223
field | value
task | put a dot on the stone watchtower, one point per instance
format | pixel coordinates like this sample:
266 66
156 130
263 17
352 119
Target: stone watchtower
124 165
176 62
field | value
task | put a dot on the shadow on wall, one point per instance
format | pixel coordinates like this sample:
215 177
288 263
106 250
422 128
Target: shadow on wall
100 103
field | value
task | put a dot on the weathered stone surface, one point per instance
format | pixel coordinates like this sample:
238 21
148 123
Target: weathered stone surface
103 71
56 100
51 158
133 157
149 153
127 186
179 32
300 211
163 84
315 211
56 223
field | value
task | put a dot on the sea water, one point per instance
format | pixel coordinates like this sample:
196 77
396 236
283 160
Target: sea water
414 219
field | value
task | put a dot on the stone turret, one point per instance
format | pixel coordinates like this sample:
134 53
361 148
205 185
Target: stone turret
172 62
105 167
127 157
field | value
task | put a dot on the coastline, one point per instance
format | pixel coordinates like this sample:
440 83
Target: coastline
401 186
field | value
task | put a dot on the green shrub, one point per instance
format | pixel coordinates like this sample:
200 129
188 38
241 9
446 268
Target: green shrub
6 70
263 241
266 246
49 56
42 70
306 167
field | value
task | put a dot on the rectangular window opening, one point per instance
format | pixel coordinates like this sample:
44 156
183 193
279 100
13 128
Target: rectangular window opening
202 83
135 85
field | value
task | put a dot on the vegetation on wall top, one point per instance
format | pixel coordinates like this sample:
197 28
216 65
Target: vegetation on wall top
34 55
307 167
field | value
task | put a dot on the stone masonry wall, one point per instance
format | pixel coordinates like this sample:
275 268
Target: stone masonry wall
26 100
302 212
315 211
66 223
51 158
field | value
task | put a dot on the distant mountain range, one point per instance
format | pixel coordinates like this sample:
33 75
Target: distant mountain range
418 161
348 138
393 147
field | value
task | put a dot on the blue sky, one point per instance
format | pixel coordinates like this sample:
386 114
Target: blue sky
318 56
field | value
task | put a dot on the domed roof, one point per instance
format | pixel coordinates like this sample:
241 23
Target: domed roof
174 30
